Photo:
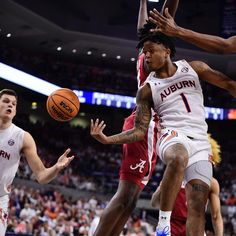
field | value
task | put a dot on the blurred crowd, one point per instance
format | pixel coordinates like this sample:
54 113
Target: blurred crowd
47 213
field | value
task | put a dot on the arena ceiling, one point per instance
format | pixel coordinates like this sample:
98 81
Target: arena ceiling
100 26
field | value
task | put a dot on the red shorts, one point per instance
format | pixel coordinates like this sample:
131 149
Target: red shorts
178 227
139 158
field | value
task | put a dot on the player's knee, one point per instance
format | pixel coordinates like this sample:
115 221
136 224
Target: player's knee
176 156
177 162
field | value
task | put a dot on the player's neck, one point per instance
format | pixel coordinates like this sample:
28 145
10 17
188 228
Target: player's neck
166 71
5 124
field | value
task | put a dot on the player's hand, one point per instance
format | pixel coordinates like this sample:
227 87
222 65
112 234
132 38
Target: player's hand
165 24
96 131
64 160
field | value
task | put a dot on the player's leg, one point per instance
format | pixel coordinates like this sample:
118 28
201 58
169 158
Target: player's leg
118 210
127 212
198 176
3 214
173 152
137 165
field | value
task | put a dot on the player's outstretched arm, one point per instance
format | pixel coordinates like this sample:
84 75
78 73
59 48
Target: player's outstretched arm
207 42
142 119
43 175
215 208
172 5
214 77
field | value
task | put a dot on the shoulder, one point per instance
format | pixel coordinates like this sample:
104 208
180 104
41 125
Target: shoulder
199 66
144 93
28 139
144 90
17 128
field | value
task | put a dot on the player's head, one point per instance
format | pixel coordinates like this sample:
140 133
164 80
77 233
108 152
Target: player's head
8 102
215 147
8 92
158 49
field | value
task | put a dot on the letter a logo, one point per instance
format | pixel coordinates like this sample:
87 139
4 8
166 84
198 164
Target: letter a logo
139 165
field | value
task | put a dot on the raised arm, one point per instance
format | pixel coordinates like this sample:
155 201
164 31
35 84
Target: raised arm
142 119
172 5
43 175
215 208
214 77
142 15
207 42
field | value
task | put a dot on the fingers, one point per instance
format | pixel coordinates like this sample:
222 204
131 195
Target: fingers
97 127
157 16
67 152
167 14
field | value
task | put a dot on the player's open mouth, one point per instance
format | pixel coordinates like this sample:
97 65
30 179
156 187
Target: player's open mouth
9 111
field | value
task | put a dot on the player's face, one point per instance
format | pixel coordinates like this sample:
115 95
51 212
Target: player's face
155 55
7 106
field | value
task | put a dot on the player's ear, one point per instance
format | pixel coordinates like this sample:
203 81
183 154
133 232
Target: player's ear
168 52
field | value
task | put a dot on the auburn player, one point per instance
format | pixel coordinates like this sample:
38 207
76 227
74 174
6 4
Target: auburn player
139 158
173 90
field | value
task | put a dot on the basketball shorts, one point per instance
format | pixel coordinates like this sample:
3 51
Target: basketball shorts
198 150
139 158
178 227
4 200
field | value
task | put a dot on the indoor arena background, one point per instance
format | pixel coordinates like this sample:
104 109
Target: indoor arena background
89 46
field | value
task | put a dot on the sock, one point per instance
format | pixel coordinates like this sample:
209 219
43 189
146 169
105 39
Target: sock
164 220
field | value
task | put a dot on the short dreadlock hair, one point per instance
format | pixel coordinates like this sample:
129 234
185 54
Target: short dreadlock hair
158 38
142 32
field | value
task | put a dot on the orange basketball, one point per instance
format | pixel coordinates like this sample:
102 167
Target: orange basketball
63 104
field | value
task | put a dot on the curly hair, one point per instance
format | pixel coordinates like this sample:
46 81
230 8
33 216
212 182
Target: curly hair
142 32
158 38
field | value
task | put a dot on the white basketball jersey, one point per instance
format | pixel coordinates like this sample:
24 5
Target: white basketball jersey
11 142
178 100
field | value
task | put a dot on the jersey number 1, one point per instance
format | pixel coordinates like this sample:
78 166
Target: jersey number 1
185 102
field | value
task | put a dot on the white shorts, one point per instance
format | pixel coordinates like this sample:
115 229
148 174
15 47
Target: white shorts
198 150
4 201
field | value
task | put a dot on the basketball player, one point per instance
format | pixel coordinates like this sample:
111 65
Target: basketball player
210 43
15 142
173 90
139 158
179 213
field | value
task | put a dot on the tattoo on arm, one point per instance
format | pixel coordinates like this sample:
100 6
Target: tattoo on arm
142 120
143 116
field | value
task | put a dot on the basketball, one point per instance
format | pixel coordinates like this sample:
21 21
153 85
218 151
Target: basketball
63 104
